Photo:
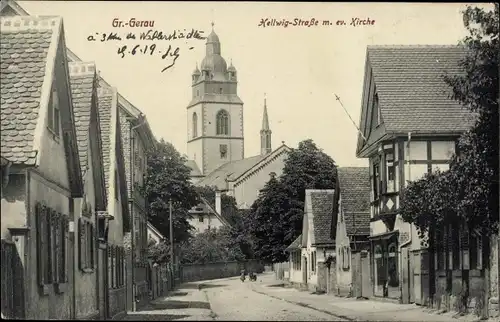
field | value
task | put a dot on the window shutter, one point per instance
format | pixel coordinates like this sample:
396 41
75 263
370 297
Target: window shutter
50 245
57 247
92 248
81 244
40 243
480 252
65 249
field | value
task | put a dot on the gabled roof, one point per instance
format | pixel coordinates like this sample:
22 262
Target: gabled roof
318 210
296 244
154 230
211 210
83 82
138 118
355 188
413 96
112 147
28 53
236 170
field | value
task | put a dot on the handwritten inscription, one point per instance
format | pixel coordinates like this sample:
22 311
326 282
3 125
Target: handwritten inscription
313 22
140 44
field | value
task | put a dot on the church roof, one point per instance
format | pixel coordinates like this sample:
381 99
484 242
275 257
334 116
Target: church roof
230 170
215 98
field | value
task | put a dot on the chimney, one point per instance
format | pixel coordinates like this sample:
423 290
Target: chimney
218 206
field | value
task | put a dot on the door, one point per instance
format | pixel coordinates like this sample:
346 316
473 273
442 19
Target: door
405 276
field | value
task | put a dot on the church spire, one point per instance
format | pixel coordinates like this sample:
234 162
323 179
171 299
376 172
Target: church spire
265 132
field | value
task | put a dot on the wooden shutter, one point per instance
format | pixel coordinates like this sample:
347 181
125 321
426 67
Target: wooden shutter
57 246
92 246
50 245
81 244
64 240
40 239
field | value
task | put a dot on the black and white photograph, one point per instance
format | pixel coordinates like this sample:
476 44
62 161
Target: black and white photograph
249 161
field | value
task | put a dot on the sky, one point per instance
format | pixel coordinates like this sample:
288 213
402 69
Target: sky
298 67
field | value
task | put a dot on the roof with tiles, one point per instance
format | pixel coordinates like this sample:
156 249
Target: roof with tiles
321 209
412 93
107 102
229 170
83 82
27 46
354 185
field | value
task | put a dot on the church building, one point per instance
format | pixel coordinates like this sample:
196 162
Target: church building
215 133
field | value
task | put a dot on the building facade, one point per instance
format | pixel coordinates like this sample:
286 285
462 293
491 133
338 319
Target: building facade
44 177
410 129
83 80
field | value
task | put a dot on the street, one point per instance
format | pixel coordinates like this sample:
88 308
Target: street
267 300
226 299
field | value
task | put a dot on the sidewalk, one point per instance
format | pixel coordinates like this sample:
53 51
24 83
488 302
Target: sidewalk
353 309
187 303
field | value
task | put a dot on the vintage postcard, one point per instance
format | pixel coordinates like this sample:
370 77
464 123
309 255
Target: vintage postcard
184 160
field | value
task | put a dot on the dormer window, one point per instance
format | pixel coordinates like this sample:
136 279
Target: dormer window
54 114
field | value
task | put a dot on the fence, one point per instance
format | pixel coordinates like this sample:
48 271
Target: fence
162 280
281 270
12 289
208 271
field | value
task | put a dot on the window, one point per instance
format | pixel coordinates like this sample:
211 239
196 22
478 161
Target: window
53 117
222 123
313 261
376 180
200 218
440 254
52 233
220 90
346 251
376 110
455 233
390 180
195 125
86 245
223 151
197 93
475 251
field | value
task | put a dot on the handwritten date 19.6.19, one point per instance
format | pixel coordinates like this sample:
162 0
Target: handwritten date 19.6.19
151 50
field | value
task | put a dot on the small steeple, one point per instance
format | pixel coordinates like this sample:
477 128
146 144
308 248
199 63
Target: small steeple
265 132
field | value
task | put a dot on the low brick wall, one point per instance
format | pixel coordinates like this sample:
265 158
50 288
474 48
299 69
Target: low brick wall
209 271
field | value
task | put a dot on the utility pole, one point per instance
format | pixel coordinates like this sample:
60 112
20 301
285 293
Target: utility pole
171 235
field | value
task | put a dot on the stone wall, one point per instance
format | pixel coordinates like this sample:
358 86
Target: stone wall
208 271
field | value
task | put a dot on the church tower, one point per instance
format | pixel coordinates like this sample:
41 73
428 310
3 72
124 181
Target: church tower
215 113
265 132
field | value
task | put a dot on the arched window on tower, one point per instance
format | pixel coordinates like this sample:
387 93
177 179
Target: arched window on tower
195 125
222 123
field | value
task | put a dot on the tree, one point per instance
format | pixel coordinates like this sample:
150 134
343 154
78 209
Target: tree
276 215
236 234
212 245
468 192
168 179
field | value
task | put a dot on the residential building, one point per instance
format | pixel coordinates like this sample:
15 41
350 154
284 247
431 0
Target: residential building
154 236
410 128
215 133
83 81
137 138
295 276
117 222
204 216
317 242
44 178
352 230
